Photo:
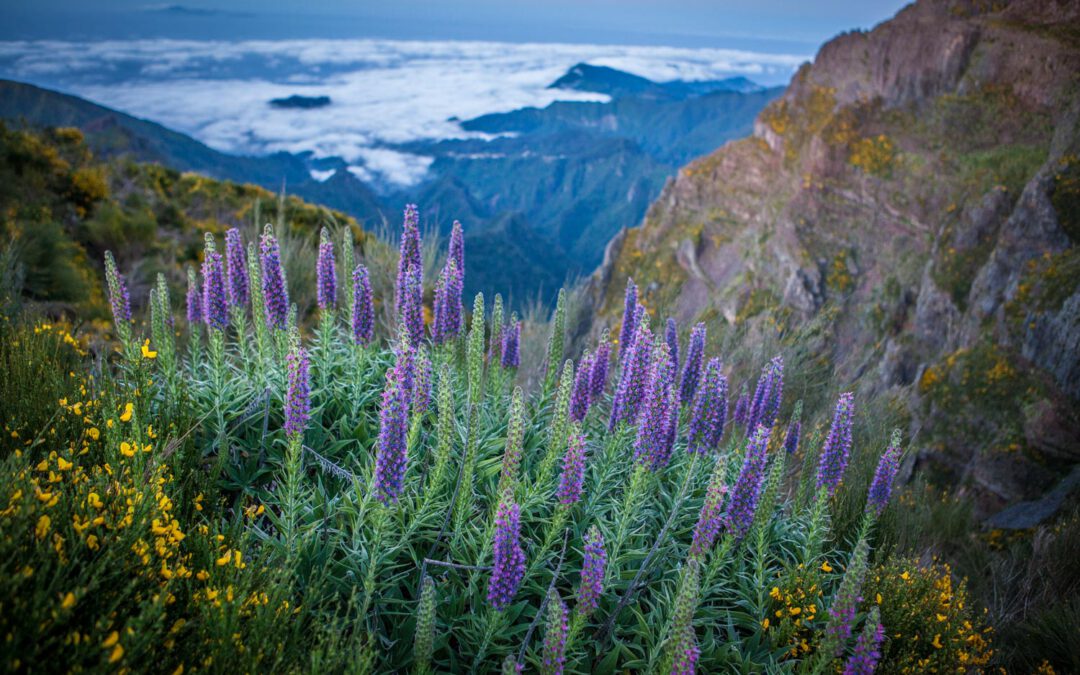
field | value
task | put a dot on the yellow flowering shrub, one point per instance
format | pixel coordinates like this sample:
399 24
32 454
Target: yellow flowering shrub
929 626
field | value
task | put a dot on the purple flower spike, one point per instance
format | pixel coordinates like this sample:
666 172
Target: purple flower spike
298 394
509 560
412 307
215 309
392 453
695 354
275 293
573 473
598 376
554 653
687 658
592 572
766 402
118 292
579 397
363 317
511 354
837 448
868 647
711 518
791 441
421 395
448 308
326 274
742 407
671 335
457 247
744 496
633 378
409 254
651 444
236 269
881 486
629 325
709 411
194 300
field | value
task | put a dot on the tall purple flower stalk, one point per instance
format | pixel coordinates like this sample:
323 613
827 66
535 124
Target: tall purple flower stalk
392 452
298 393
363 315
711 518
837 448
884 475
868 647
326 274
194 300
579 397
275 293
509 559
695 355
573 472
592 572
215 308
629 325
633 378
119 300
747 489
511 352
412 306
457 247
558 625
651 446
448 308
709 410
791 440
236 269
742 406
671 335
766 402
598 376
409 253
421 394
846 601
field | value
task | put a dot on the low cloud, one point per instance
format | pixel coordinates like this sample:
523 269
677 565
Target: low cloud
382 91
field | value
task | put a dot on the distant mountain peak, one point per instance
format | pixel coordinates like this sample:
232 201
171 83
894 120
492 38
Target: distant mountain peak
620 84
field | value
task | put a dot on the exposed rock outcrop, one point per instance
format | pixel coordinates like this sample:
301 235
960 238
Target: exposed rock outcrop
902 221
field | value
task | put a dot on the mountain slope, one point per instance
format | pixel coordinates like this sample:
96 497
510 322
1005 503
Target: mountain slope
112 134
903 219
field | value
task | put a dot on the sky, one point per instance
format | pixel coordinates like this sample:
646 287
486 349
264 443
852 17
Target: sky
790 26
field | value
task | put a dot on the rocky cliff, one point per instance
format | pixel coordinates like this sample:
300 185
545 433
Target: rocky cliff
904 221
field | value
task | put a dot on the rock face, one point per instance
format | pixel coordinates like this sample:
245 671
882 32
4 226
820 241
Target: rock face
903 221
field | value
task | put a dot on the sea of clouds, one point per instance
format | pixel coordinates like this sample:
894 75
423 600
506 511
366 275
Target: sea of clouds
382 91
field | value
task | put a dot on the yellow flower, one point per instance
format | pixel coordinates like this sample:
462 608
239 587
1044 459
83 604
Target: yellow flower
937 641
147 352
878 598
117 654
825 567
203 575
63 464
43 524
94 433
94 500
68 602
113 638
224 560
126 450
92 542
129 409
905 576
765 624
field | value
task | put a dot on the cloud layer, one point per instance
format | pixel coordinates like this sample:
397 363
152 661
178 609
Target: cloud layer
382 91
